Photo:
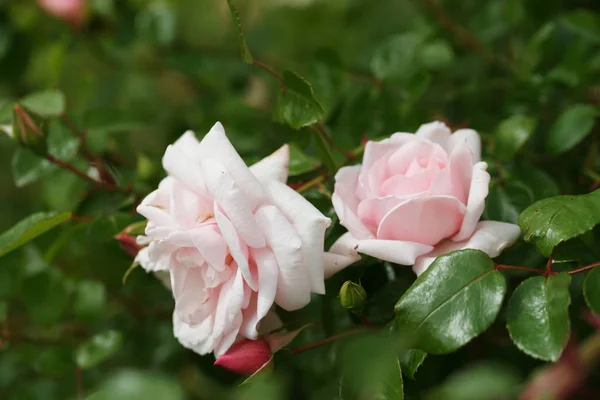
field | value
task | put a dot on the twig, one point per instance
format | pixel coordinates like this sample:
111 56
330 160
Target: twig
271 71
517 268
78 378
348 154
549 266
313 182
69 167
313 345
582 269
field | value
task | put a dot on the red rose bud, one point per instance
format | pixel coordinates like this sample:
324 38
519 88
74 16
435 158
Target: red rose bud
246 356
29 130
128 244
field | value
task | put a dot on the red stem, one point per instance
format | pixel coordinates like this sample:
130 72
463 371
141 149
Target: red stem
271 71
574 271
549 266
516 268
330 339
74 170
78 378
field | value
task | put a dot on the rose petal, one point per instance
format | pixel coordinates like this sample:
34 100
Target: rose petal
468 138
233 203
395 251
341 254
211 244
229 305
184 168
215 145
435 131
310 224
455 178
476 203
273 167
196 338
346 203
424 220
238 250
491 237
293 286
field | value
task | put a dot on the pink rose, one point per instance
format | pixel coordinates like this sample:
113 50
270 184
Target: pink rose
417 196
72 11
235 240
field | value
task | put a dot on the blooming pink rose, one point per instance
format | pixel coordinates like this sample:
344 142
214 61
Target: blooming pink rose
417 196
71 11
234 239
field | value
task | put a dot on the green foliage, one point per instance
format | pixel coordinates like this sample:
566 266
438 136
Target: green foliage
571 128
29 228
49 103
591 290
454 300
297 106
550 222
512 133
538 317
98 348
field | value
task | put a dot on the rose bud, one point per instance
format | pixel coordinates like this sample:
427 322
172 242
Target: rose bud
70 11
29 130
129 244
246 356
353 296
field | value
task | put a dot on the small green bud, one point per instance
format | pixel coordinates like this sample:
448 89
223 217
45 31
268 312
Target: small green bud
29 130
136 229
353 296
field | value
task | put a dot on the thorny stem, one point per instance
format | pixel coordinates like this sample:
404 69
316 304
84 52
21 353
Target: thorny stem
547 272
318 343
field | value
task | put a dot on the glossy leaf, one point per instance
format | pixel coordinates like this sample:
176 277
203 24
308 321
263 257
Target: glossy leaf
571 127
552 221
244 50
29 228
538 316
98 348
300 162
297 105
411 361
512 133
591 290
49 103
455 299
585 23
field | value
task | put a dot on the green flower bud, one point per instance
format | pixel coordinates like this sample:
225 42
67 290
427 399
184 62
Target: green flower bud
29 130
353 296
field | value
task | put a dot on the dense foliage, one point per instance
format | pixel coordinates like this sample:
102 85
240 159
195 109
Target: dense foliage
92 106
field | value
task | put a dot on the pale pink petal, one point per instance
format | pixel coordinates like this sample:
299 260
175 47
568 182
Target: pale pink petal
229 305
491 237
238 249
211 244
293 290
455 178
345 201
273 167
184 168
310 224
416 155
268 273
476 203
395 251
197 338
159 259
372 211
435 131
424 220
341 254
232 202
230 337
215 145
468 138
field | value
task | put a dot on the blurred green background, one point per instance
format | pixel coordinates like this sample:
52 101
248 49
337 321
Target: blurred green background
137 74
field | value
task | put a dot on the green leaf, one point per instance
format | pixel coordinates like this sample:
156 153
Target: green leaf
300 162
480 381
297 105
244 50
591 290
571 127
538 316
98 348
396 59
585 23
512 133
133 385
549 222
437 55
49 103
29 228
47 296
90 299
411 361
455 299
